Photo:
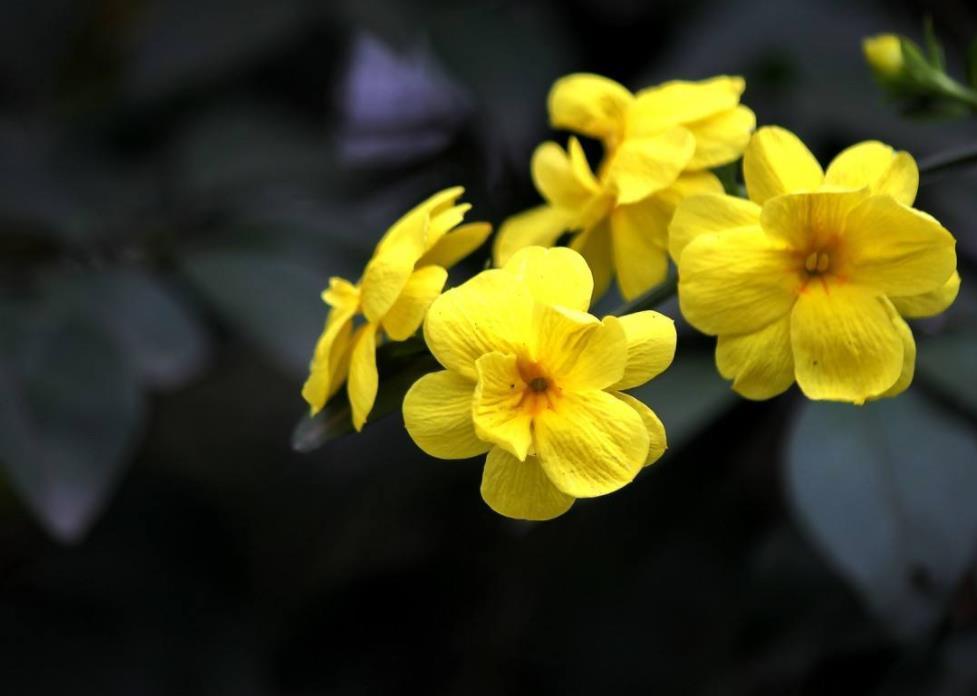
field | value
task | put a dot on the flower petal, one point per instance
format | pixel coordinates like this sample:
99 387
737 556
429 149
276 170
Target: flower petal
777 162
405 316
680 102
641 166
440 223
709 213
929 303
846 347
490 312
651 342
330 363
877 166
387 273
897 249
639 236
589 104
594 245
908 354
521 489
657 442
561 178
721 138
539 226
557 276
761 364
456 245
577 350
497 410
363 378
736 282
438 416
810 221
592 443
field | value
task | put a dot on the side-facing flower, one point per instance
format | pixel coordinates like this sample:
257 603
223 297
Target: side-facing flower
659 145
809 279
404 276
535 381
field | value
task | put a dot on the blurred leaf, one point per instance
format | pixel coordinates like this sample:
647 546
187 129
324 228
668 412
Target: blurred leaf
161 340
934 49
949 363
273 301
69 414
887 492
399 365
688 396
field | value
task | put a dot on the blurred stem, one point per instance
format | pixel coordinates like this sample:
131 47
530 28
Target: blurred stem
952 89
954 159
651 299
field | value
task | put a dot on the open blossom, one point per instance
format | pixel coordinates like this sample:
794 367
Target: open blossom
658 147
809 279
535 381
402 279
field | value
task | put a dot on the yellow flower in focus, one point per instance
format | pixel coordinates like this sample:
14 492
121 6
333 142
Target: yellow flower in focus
884 54
809 279
535 381
401 280
659 144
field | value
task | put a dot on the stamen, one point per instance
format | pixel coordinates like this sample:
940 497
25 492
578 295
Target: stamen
823 263
817 262
811 263
538 384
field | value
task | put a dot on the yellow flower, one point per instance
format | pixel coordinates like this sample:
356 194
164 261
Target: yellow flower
405 275
809 279
658 145
884 54
535 381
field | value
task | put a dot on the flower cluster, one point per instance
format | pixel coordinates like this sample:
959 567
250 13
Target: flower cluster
810 279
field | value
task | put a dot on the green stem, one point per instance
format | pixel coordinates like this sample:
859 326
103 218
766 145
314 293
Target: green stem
952 89
962 157
651 299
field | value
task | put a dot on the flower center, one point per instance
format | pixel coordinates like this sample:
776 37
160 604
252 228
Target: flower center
539 384
540 391
817 262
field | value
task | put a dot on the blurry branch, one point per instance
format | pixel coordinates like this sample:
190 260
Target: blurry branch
944 161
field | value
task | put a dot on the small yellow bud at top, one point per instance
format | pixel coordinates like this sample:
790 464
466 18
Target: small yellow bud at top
884 54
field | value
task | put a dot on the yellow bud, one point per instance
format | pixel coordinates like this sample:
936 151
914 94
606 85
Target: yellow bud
884 54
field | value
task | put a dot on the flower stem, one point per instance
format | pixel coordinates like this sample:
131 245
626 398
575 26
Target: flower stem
651 299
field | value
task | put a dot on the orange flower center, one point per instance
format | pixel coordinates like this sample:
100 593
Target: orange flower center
540 391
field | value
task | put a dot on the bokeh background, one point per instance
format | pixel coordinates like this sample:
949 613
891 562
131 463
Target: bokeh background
179 179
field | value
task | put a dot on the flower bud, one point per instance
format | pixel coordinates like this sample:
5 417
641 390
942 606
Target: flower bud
884 54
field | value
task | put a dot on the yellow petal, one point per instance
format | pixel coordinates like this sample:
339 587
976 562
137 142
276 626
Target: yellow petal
405 316
706 214
657 442
591 444
846 347
363 378
736 282
341 294
577 350
721 138
521 490
897 249
877 166
540 226
777 162
387 274
439 224
680 102
456 245
560 177
594 245
651 341
557 276
438 416
929 303
490 312
761 364
413 225
689 184
497 406
330 364
811 221
589 104
639 237
641 166
908 354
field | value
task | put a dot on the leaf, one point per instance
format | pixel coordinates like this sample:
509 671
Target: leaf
162 340
934 49
273 301
399 364
886 491
948 362
687 397
70 411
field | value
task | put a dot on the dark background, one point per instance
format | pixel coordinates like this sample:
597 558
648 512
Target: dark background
179 179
